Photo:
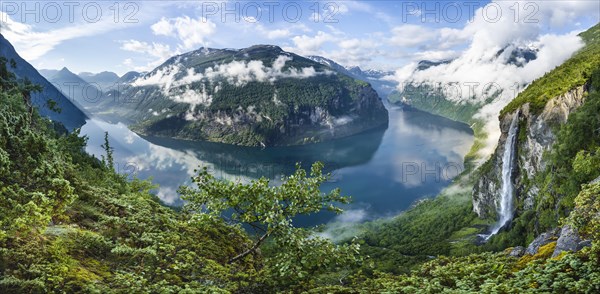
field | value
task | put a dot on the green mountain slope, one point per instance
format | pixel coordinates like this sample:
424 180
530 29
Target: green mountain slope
70 115
256 96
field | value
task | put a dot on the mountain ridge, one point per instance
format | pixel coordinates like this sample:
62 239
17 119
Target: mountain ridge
256 96
70 115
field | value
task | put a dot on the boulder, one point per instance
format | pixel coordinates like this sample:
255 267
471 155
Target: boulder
568 241
542 240
517 251
584 243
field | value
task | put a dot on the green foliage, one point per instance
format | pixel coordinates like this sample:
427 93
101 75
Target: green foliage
107 160
69 224
489 273
429 229
586 216
269 210
572 162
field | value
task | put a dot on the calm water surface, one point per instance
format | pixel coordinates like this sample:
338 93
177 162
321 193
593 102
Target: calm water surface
384 170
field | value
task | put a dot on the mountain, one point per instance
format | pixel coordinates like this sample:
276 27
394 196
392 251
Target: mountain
556 150
70 116
103 81
48 73
78 90
374 77
433 99
521 55
129 77
257 96
425 64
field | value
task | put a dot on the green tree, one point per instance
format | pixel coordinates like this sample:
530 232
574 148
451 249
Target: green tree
269 210
107 160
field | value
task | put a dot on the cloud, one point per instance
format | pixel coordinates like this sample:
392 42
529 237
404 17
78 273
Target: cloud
167 195
410 35
32 44
345 226
235 72
278 33
158 53
436 55
311 45
159 50
481 63
352 216
346 50
238 73
191 32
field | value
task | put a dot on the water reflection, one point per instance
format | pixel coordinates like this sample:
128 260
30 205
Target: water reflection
384 170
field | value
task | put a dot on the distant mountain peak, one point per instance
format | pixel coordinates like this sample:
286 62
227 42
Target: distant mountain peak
425 64
70 115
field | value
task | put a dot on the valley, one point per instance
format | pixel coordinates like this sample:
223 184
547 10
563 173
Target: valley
370 155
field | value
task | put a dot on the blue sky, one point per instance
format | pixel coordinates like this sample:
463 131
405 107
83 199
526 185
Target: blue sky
101 35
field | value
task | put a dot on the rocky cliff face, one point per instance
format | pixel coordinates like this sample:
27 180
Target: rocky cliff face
536 136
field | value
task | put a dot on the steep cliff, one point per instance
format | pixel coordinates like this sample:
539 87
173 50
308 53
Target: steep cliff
557 148
537 135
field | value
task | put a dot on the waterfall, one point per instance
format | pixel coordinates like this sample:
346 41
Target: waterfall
508 159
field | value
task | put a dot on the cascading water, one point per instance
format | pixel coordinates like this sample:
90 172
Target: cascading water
508 158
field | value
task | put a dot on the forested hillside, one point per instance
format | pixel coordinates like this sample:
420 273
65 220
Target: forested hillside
256 96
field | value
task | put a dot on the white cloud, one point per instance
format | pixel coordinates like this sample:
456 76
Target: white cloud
344 50
158 53
167 195
436 55
418 36
410 35
155 49
352 216
307 45
480 62
32 44
191 32
238 73
278 33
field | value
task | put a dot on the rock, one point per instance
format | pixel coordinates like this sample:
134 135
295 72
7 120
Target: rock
568 241
597 180
542 240
539 138
517 251
583 244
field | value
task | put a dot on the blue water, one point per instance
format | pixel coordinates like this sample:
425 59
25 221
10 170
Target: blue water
383 170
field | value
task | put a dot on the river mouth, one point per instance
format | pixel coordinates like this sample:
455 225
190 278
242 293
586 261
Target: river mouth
384 170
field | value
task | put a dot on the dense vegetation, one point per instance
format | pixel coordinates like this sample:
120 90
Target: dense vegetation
433 100
69 223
